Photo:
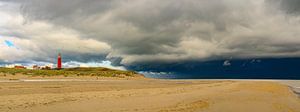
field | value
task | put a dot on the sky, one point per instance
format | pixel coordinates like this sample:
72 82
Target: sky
149 35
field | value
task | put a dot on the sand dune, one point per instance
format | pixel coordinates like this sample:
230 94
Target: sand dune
147 96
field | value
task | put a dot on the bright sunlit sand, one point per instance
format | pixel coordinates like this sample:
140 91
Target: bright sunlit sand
145 95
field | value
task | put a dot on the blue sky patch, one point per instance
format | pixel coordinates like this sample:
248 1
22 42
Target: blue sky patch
9 43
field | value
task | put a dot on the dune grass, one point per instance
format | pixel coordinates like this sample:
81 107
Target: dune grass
79 71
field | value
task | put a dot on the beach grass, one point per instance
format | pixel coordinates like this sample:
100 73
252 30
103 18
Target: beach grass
78 71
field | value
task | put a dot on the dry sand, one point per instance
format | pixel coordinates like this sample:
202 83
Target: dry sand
146 95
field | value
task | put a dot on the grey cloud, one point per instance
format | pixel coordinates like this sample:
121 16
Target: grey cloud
173 30
291 6
288 6
41 41
54 10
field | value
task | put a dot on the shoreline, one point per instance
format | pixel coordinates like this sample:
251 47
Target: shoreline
295 90
294 85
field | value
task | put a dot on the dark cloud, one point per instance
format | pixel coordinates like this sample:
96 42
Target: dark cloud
264 68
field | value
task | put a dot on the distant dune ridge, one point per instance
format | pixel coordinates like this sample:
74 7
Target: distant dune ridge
70 72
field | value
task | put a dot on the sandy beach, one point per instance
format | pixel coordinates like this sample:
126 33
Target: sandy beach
146 95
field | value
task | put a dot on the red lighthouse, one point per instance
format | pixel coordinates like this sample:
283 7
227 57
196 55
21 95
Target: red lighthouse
59 61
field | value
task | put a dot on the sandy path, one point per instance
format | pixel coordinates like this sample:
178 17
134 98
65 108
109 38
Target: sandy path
147 96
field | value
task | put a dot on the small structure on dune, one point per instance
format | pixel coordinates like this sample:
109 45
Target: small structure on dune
20 67
35 67
46 68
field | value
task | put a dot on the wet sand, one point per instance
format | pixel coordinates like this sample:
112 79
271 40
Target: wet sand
146 95
293 84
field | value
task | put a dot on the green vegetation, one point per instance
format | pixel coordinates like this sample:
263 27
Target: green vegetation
91 71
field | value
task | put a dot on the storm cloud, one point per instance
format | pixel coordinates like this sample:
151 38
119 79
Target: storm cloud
134 32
